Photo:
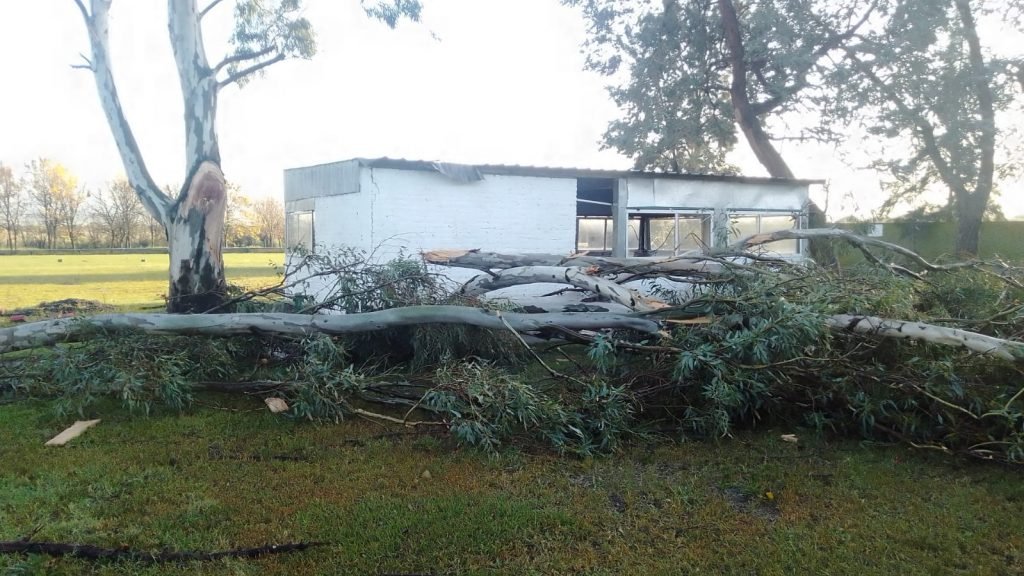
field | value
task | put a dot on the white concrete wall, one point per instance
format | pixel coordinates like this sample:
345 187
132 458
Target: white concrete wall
676 193
419 210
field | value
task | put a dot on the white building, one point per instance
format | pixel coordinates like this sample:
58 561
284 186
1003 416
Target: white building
387 205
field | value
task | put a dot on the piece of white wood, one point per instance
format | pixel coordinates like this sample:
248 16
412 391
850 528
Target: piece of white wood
276 405
72 432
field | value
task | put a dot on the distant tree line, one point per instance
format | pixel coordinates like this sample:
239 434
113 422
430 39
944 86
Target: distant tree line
43 205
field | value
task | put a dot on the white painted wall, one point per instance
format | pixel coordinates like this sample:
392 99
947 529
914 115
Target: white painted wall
676 193
343 220
419 210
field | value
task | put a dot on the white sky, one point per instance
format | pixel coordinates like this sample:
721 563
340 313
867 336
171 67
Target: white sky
502 82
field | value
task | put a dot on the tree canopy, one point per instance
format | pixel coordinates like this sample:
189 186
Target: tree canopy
918 77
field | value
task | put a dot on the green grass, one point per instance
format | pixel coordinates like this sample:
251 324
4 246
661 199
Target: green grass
213 479
122 280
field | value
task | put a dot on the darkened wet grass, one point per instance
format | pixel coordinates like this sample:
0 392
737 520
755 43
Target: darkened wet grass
214 479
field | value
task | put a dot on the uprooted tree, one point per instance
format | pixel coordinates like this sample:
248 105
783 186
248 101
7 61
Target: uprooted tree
897 348
266 32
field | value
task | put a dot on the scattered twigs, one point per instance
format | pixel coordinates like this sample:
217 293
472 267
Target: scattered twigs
89 552
855 240
393 420
537 357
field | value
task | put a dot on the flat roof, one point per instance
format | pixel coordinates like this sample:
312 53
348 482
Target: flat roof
562 172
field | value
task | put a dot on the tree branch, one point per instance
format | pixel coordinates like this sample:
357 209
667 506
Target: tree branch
155 201
250 70
86 66
85 12
923 128
209 7
834 41
229 60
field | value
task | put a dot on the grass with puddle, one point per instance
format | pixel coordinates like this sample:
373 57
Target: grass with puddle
215 479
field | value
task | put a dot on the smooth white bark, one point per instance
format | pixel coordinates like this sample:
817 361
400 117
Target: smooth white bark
49 332
570 275
980 343
97 25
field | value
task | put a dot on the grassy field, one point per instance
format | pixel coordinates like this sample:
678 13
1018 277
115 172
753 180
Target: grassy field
123 280
231 474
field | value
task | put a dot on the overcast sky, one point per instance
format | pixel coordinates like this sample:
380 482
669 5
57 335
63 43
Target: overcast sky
478 81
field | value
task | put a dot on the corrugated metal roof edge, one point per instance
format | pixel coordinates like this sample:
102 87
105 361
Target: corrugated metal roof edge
563 172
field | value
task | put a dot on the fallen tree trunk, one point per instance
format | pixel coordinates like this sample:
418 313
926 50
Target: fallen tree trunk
571 275
980 343
50 332
487 261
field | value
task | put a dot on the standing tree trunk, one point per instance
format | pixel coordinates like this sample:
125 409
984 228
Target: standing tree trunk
971 206
194 222
743 109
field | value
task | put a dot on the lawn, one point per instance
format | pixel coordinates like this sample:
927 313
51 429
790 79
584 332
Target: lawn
230 474
122 280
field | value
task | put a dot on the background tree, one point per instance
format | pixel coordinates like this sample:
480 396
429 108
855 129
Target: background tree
12 205
268 220
700 69
922 79
49 183
265 32
120 212
69 207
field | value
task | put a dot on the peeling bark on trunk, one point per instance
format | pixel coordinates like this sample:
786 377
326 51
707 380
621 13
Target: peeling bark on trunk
195 234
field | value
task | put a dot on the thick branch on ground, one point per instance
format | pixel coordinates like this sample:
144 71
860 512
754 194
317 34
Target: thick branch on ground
51 332
980 343
571 275
486 261
89 552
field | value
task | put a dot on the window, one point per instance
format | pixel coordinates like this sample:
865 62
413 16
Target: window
299 230
668 234
593 234
742 226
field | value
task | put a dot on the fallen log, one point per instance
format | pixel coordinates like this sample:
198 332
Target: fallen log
571 275
980 343
487 261
49 332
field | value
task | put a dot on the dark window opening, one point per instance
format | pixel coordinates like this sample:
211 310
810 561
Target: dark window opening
594 223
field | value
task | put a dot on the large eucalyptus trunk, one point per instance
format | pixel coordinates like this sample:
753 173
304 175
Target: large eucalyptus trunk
194 221
195 234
